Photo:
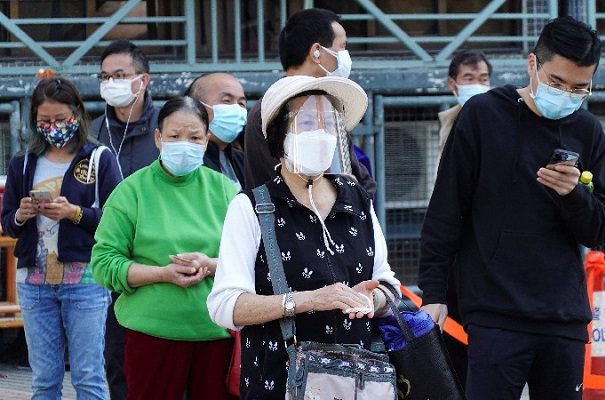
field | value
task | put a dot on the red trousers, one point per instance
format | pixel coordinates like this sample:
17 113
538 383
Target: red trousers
164 369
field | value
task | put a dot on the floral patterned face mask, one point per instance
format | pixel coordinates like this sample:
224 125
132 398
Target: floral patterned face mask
58 133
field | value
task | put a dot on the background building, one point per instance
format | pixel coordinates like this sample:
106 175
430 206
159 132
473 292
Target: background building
400 50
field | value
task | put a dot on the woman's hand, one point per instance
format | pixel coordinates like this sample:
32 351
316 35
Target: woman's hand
341 297
365 288
57 209
183 275
28 209
197 260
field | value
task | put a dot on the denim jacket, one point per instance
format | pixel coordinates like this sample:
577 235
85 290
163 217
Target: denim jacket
75 240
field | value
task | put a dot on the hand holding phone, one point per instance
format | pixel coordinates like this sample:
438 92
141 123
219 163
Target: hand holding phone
181 258
565 157
40 196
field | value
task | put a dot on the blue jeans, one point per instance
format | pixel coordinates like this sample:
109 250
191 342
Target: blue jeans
58 315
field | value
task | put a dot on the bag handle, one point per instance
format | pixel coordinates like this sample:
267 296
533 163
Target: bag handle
405 328
94 162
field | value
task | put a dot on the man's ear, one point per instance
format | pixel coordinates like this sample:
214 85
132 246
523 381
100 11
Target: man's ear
145 79
315 52
452 85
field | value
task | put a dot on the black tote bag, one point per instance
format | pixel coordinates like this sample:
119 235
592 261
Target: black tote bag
423 367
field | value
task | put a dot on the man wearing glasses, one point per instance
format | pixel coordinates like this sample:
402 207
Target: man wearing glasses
126 128
508 223
129 120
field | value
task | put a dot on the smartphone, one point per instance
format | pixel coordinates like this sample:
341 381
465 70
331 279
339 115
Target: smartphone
181 258
562 156
40 195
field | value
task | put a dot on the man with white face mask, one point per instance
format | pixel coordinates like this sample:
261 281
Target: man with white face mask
126 128
223 96
129 120
313 43
469 74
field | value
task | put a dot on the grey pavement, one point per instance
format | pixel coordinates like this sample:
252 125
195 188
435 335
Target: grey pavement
15 383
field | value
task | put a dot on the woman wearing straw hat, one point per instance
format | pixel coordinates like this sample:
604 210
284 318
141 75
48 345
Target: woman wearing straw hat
333 250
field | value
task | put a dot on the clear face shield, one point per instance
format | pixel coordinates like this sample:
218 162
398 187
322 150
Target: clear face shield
316 141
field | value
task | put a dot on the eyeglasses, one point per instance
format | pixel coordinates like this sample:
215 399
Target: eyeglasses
102 77
59 123
557 89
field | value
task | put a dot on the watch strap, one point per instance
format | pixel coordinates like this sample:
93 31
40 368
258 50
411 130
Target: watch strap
289 300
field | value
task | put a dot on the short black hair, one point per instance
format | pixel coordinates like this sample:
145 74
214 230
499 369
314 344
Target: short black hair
182 103
313 25
141 65
571 39
59 90
467 57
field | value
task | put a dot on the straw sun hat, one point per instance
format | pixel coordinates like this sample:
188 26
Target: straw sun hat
351 98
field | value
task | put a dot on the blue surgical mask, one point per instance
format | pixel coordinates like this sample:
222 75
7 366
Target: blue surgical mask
228 122
182 158
465 92
554 103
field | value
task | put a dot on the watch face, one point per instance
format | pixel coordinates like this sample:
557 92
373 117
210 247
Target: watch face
290 304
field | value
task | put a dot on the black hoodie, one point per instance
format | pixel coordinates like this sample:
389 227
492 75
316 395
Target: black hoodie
513 243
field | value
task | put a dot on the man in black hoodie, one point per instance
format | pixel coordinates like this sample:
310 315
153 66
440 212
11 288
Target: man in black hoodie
509 223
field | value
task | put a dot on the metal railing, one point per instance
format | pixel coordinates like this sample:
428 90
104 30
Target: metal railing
393 45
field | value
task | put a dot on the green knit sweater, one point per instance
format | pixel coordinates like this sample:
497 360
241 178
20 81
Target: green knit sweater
148 217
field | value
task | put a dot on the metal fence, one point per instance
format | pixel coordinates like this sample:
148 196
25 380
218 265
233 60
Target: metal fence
207 35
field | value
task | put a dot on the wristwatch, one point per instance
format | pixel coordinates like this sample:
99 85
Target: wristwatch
289 305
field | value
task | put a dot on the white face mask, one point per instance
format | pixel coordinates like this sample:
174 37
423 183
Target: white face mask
309 153
465 92
118 92
344 63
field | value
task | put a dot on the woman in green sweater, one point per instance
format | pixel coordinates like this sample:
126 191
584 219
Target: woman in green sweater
157 245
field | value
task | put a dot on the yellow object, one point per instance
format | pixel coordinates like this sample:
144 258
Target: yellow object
77 215
586 177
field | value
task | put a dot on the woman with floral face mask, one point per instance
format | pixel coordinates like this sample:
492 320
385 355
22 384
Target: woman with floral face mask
157 246
52 204
332 248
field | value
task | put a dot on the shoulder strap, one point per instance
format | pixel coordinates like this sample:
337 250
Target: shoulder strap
265 210
95 158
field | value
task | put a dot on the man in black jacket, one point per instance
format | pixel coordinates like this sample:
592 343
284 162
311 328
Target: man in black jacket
127 128
508 222
312 43
224 98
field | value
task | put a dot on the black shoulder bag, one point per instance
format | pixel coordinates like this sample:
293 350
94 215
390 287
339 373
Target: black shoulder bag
416 349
